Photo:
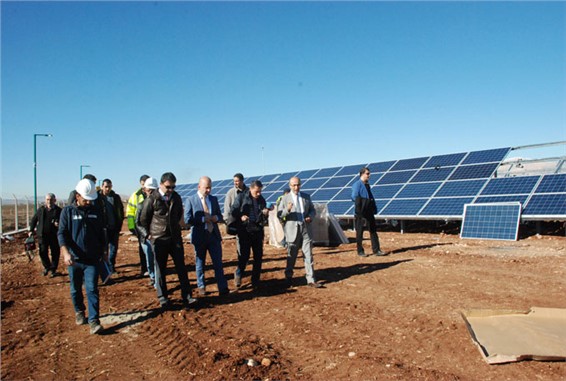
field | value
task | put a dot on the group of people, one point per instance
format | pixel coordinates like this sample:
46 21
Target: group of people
86 232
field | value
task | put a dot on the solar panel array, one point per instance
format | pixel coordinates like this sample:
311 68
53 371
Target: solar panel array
435 187
491 221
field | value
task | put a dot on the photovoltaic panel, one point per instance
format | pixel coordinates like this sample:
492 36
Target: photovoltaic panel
340 208
386 191
324 194
381 167
268 178
275 186
396 177
314 183
486 156
446 206
418 190
404 207
474 171
351 170
510 185
552 184
327 172
381 204
513 198
425 175
286 176
415 163
460 188
491 221
271 196
344 194
546 205
444 160
338 182
303 175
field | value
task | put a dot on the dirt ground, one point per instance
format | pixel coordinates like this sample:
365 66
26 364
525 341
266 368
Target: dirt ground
377 318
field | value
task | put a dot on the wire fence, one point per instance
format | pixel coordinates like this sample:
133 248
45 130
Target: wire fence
16 213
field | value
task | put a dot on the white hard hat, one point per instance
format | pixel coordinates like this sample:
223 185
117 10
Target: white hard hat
87 189
151 183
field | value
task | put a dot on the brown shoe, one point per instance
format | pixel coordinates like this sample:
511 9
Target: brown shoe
315 285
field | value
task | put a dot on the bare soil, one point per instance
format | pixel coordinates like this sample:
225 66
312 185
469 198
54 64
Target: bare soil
377 318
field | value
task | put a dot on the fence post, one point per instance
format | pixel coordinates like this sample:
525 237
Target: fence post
17 225
27 211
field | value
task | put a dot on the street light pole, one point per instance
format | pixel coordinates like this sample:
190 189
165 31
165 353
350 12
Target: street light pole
83 166
35 168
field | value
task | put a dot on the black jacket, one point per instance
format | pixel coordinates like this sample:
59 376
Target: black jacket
118 208
160 219
242 206
45 226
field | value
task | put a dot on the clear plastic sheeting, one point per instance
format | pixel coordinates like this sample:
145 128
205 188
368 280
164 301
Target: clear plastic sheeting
325 227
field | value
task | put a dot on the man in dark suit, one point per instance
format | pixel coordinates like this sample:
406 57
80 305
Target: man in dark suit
47 221
296 211
365 209
202 213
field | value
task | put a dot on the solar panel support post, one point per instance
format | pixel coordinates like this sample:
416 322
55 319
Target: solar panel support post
402 224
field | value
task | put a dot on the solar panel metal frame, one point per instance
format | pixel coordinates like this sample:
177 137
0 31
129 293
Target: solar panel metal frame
494 226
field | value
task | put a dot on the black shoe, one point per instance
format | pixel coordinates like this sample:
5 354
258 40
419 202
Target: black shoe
379 253
288 283
362 254
190 302
45 272
237 281
53 274
315 285
165 306
224 292
201 291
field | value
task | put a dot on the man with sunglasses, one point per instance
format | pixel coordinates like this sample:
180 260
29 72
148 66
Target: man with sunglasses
160 216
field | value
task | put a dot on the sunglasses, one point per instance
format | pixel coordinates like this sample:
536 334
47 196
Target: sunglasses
170 187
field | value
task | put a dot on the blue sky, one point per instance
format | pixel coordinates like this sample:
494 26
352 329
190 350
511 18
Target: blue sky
259 87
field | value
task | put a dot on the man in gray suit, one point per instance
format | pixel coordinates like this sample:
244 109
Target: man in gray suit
296 212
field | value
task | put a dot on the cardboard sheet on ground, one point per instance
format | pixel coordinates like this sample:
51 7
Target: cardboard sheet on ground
508 336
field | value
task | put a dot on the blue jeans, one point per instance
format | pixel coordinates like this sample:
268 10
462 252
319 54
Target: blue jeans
149 258
113 238
80 273
214 246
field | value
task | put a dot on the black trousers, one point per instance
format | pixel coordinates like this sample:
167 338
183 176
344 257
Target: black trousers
249 242
49 242
162 249
372 228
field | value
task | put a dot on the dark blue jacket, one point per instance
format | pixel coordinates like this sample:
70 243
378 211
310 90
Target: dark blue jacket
82 232
363 201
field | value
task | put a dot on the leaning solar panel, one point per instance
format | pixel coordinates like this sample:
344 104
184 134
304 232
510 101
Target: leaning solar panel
498 221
